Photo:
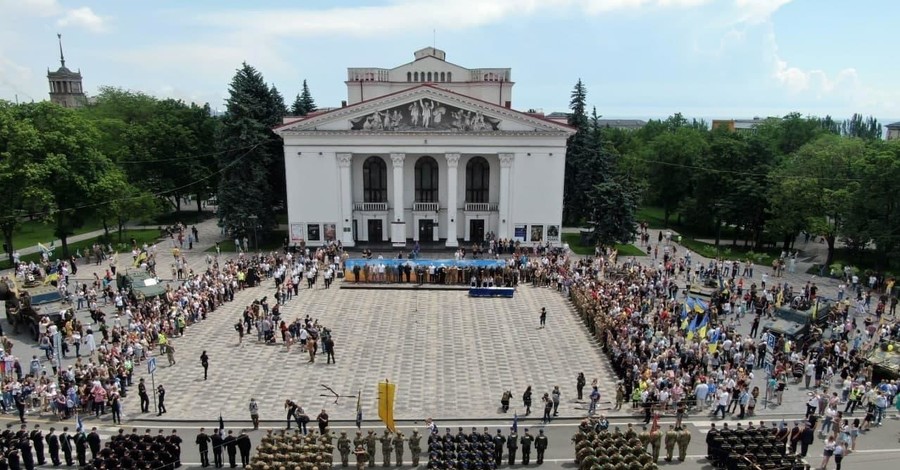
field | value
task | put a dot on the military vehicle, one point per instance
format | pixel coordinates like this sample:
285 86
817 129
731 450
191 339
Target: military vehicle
26 307
139 284
799 325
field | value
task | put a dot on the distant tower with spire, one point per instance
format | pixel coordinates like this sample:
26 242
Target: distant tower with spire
65 85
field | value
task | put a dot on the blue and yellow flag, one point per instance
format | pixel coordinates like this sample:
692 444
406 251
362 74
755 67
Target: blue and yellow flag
386 392
359 410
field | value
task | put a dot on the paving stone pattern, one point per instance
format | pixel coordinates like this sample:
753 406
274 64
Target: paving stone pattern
451 356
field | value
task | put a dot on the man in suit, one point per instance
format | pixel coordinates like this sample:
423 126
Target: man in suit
53 446
230 444
203 443
217 443
244 445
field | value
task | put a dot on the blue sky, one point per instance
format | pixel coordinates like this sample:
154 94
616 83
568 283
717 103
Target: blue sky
638 58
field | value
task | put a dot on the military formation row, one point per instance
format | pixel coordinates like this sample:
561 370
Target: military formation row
481 451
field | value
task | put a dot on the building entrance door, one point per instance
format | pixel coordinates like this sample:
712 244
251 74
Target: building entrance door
376 230
426 230
355 230
476 230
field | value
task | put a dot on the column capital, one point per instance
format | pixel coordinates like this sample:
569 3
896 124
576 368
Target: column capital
452 159
344 159
506 159
398 159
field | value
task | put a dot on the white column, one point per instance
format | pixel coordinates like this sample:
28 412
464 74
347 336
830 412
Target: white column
506 161
344 160
452 182
398 159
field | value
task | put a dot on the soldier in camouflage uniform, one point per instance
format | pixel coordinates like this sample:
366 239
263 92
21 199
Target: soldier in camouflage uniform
655 443
361 457
644 437
343 445
415 447
386 447
671 437
684 438
371 444
398 447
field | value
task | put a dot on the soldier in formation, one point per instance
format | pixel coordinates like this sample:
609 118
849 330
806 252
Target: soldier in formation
371 443
293 450
684 438
526 441
343 445
671 437
361 456
136 451
540 444
512 445
415 447
475 451
386 447
399 438
655 443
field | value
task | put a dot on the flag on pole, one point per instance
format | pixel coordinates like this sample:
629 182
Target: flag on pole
79 425
359 410
386 392
221 422
515 426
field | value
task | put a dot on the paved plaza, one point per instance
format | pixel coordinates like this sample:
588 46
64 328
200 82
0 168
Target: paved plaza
451 356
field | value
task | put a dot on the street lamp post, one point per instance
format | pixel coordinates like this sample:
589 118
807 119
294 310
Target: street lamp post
253 219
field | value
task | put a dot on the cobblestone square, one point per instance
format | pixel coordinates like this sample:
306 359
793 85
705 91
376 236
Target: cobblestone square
451 356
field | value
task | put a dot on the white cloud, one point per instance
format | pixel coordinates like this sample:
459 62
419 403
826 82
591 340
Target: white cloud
84 17
413 15
757 11
40 8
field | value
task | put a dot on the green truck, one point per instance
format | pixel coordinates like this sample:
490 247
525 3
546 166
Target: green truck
139 284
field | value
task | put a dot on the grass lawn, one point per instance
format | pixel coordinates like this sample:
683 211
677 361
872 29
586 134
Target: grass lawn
31 232
274 241
861 261
708 250
141 236
574 242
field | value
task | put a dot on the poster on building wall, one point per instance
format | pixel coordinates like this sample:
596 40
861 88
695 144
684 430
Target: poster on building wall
553 233
537 233
312 233
330 232
520 233
296 232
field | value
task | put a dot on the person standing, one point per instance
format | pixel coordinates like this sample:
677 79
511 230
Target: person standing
526 400
37 439
548 408
343 447
244 445
81 447
203 441
328 343
580 382
323 421
230 444
415 446
53 446
93 440
499 440
543 317
371 444
684 439
145 398
512 444
204 361
386 447
160 400
526 441
217 444
254 412
555 395
670 441
398 448
540 444
65 443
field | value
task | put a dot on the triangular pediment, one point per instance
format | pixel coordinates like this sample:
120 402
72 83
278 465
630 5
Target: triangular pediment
426 109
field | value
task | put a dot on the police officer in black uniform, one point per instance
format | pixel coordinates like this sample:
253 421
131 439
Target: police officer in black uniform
217 443
499 440
37 438
231 446
203 443
65 443
53 446
145 398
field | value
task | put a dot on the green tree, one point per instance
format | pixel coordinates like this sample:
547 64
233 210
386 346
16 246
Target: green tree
304 102
578 153
20 174
249 150
613 204
69 162
864 128
670 160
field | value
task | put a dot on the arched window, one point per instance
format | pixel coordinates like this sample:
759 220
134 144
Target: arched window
429 76
442 76
421 76
449 76
408 76
374 180
478 180
426 180
416 77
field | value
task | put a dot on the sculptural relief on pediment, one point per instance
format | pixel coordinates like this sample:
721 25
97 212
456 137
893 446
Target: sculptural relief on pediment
425 115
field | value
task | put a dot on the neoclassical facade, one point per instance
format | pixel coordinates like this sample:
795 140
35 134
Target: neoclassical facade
427 151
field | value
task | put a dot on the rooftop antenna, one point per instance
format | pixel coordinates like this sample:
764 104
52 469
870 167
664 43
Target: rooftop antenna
434 38
62 59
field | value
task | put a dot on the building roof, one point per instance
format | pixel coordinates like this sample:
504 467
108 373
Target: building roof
893 125
362 104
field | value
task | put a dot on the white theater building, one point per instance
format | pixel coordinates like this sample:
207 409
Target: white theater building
428 151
